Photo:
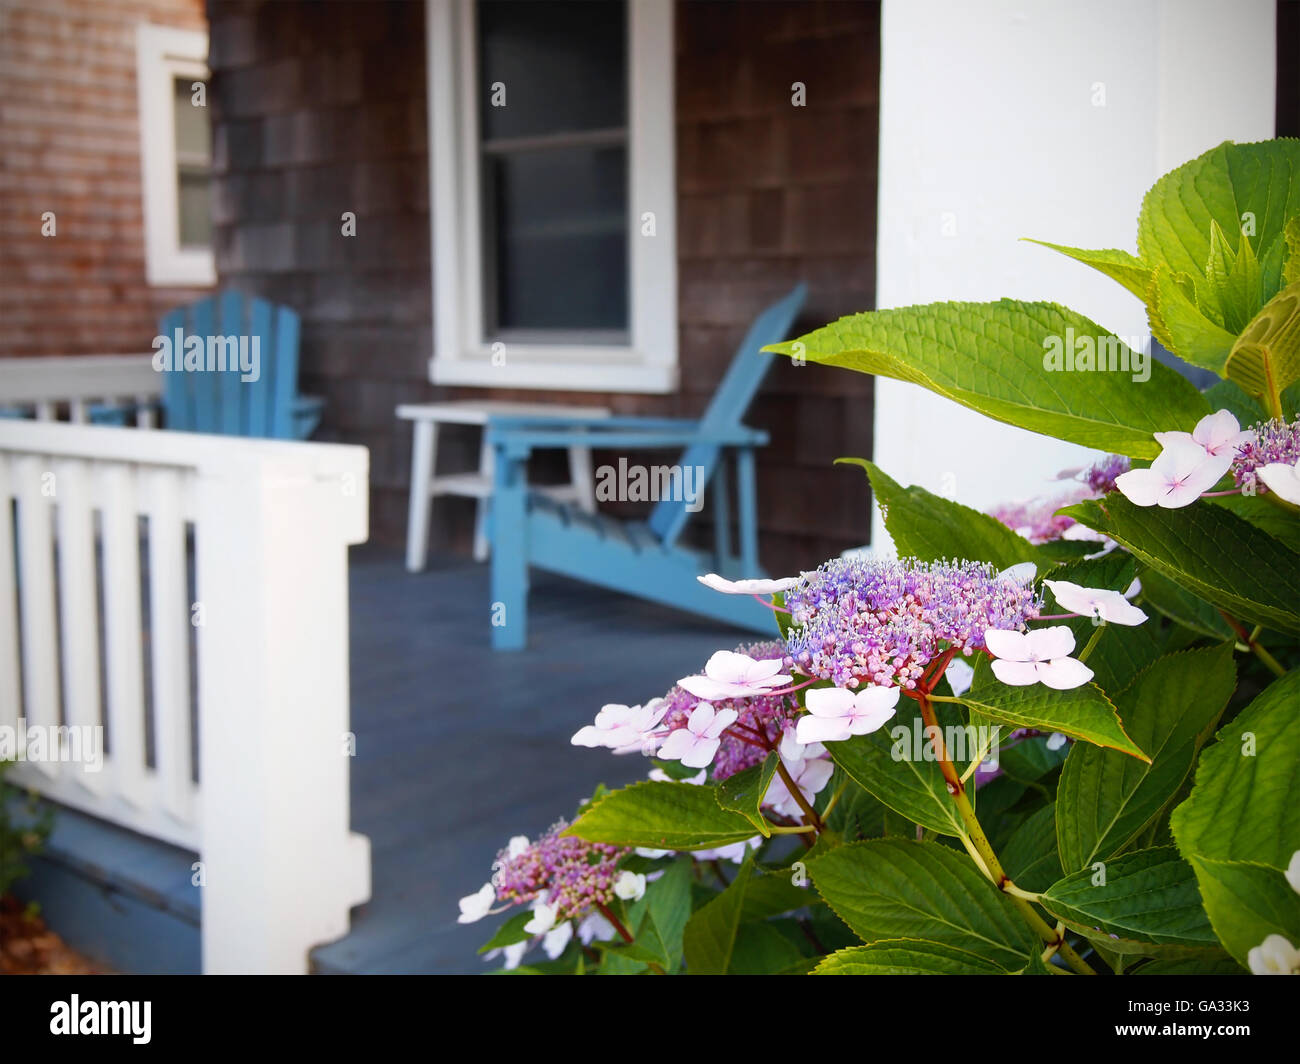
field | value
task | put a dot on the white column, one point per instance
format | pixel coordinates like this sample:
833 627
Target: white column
1001 119
281 867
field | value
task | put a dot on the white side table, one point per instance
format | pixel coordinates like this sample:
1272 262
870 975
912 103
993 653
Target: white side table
477 484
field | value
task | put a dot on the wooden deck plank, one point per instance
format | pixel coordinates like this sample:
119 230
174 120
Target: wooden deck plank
459 748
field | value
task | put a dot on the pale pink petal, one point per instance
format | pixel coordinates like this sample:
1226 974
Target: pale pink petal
1282 479
727 665
822 729
1015 673
829 701
815 775
718 723
590 736
1054 642
1063 673
1142 487
704 687
1170 439
1116 609
1014 646
701 753
1071 596
1219 432
871 719
676 745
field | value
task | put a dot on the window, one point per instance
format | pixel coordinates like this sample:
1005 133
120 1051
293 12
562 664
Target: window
175 155
552 196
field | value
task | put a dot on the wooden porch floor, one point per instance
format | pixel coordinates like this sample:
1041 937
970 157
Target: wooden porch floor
459 748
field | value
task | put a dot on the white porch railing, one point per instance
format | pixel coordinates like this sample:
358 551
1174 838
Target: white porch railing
66 387
119 547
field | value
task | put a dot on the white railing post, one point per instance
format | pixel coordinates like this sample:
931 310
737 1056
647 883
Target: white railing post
280 866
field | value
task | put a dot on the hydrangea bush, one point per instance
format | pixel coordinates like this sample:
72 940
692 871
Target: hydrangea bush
1063 737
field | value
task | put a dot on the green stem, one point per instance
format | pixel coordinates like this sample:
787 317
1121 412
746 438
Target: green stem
835 798
810 814
977 843
1249 640
1092 643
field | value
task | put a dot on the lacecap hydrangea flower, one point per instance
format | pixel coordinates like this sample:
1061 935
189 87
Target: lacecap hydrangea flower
869 621
567 875
1274 442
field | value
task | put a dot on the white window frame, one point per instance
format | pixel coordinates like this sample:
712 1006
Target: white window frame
648 362
164 53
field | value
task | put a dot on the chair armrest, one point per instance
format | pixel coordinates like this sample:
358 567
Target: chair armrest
306 411
518 439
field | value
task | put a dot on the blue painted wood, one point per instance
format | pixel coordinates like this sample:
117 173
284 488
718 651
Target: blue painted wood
444 774
731 400
644 560
219 400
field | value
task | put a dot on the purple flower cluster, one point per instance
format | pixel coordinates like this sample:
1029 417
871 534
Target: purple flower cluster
763 714
1100 477
567 873
1275 441
883 622
1037 519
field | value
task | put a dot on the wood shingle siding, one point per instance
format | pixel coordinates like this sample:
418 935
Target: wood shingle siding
320 109
68 116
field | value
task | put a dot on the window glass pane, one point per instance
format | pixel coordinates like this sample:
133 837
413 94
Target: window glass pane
563 65
558 254
193 166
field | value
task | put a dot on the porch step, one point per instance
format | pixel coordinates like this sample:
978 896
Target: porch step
124 901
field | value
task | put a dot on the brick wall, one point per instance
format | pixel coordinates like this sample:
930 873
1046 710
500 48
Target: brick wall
71 144
320 109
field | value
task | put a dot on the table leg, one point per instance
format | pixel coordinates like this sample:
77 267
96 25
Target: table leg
485 467
423 463
581 479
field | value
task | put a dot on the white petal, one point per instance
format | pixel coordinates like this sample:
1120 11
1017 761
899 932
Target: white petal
595 926
1171 439
1282 479
728 665
701 753
873 718
721 721
555 940
678 744
829 701
514 953
1054 642
630 886
1116 609
1274 956
518 844
815 775
1142 487
1072 597
1217 430
747 587
708 688
1293 872
1063 674
1013 646
822 729
543 919
1055 741
590 736
475 906
1015 673
1021 573
959 676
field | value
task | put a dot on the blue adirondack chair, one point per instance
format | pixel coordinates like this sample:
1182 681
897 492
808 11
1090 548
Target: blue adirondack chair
643 559
217 400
